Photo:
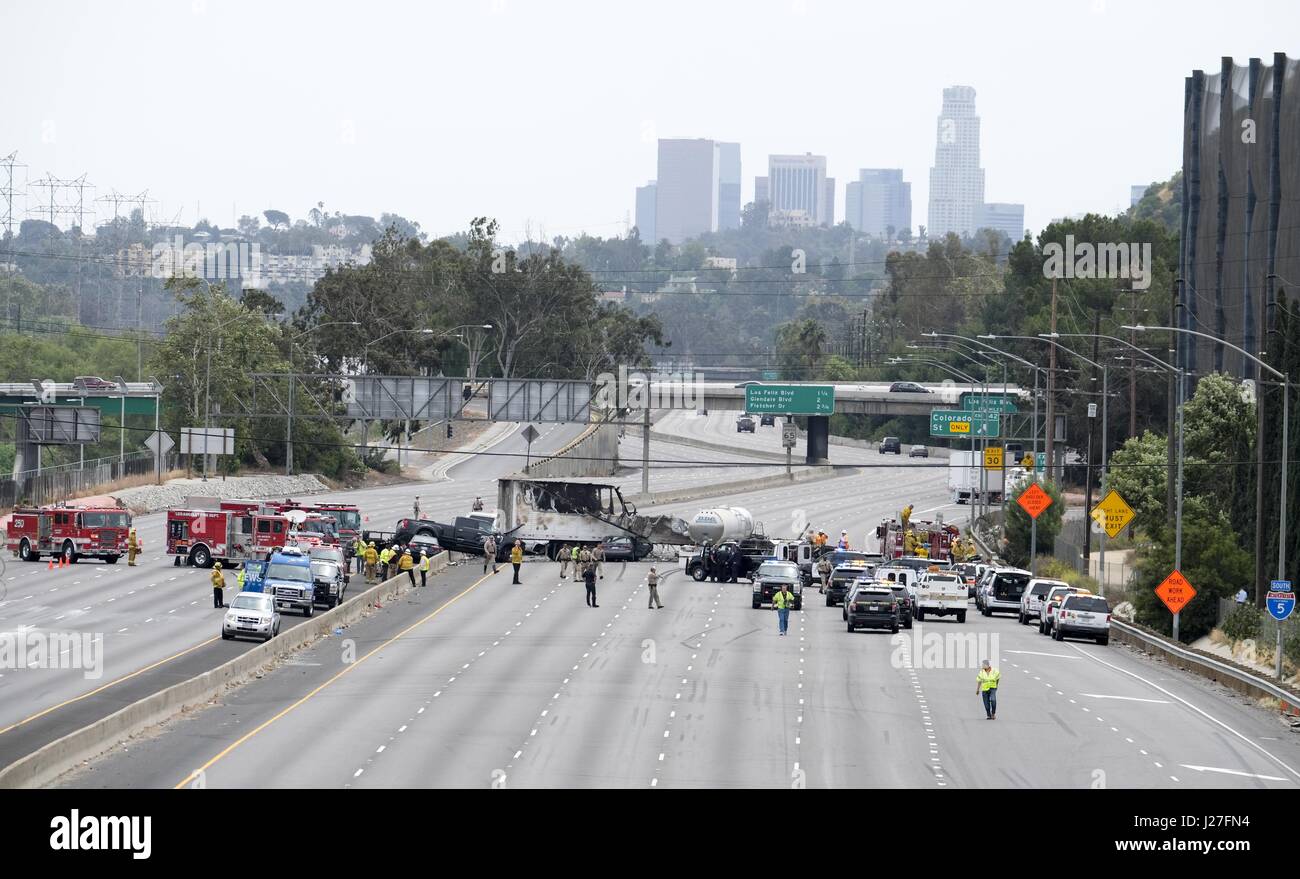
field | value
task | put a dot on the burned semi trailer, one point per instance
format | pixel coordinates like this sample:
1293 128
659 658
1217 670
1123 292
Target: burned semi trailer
547 513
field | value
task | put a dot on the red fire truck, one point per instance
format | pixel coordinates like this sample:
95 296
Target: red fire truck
347 518
71 532
231 531
936 537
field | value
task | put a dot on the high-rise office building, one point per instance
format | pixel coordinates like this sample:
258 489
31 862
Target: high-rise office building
830 202
760 190
1002 217
877 200
686 188
645 213
956 180
797 190
728 186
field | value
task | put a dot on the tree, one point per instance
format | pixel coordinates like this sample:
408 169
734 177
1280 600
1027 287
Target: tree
1020 526
277 219
1213 562
1138 471
248 226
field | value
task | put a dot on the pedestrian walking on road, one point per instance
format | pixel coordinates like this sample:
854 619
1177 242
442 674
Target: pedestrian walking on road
517 559
424 567
986 684
782 601
652 582
218 586
407 564
824 572
478 505
489 553
565 555
417 507
589 579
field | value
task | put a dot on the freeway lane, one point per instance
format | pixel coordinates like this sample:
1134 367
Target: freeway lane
523 686
156 622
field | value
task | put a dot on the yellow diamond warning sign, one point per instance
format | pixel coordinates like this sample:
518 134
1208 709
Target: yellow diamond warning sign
1112 514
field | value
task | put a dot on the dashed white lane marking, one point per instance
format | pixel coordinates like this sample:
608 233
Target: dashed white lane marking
1231 772
1126 698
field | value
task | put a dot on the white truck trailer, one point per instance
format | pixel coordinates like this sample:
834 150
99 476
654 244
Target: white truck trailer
964 478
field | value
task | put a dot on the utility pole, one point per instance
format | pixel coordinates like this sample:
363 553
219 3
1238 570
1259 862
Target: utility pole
1088 482
1132 372
1050 427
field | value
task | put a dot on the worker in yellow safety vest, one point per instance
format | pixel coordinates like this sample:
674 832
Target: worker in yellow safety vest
986 685
782 601
424 567
132 547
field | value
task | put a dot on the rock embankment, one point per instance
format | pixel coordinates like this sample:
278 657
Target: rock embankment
152 498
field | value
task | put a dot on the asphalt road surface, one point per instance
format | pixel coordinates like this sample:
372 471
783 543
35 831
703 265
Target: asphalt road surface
479 683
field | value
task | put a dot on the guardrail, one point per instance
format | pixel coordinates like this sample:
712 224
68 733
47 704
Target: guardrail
1213 668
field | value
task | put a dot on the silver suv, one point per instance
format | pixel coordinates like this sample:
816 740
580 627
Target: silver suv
1034 600
1083 616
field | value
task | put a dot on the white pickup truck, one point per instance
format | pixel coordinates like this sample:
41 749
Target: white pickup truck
940 593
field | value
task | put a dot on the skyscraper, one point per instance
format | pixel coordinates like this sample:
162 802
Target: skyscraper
1003 217
797 190
728 186
956 180
877 200
760 190
686 189
645 213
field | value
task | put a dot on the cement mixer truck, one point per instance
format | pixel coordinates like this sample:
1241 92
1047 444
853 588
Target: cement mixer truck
720 524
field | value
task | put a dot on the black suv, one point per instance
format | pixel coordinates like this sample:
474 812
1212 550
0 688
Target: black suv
871 606
890 444
767 420
744 423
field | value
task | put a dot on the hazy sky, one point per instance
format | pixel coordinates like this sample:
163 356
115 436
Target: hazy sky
545 114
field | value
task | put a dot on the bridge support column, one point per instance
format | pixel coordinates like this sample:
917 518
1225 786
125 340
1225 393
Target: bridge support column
819 430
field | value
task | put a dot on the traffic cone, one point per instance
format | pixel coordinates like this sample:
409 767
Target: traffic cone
51 565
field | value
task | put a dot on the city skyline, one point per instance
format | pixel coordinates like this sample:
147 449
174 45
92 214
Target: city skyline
362 151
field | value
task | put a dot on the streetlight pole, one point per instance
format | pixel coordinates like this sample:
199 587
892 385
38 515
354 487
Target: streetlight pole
1286 418
1105 395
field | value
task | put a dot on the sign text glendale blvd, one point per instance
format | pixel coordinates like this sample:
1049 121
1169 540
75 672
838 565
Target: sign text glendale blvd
790 399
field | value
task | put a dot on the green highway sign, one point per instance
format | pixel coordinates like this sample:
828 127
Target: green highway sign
976 402
962 424
790 399
770 375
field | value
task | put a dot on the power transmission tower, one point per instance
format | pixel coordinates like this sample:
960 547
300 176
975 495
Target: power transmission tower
117 199
62 198
7 166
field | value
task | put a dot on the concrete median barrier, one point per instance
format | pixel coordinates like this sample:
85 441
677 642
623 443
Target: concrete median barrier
759 483
49 762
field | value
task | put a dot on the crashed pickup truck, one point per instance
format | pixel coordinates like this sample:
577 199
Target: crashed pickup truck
547 513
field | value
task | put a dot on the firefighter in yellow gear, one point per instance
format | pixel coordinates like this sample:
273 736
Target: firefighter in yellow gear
905 517
372 559
218 586
132 547
909 543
